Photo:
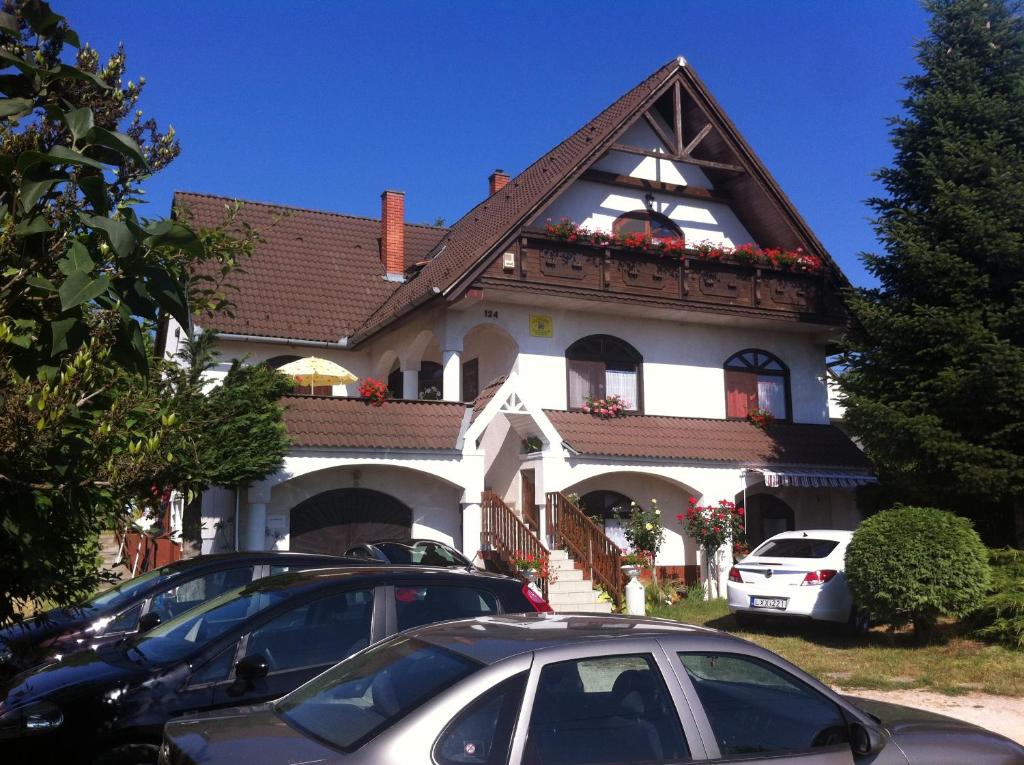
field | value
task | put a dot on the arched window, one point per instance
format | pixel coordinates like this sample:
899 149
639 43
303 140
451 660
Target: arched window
318 390
600 366
756 380
651 224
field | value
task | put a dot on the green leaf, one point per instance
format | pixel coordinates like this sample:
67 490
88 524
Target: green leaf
118 142
41 283
77 259
8 22
117 232
66 72
174 235
80 288
95 190
79 122
37 184
169 292
59 334
36 225
64 154
9 59
15 107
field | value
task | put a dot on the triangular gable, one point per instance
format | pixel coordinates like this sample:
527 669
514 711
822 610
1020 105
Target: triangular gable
510 401
696 131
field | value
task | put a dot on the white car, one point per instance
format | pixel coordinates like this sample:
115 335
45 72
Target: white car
796 574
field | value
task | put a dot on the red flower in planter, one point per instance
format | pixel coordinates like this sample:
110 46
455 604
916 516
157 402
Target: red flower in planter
374 391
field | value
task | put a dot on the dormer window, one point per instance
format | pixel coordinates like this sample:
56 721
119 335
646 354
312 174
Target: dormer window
653 225
600 366
756 379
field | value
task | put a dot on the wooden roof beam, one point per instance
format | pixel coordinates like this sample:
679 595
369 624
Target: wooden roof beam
697 139
662 135
677 158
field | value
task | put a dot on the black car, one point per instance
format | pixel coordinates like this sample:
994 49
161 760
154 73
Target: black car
246 646
143 602
419 552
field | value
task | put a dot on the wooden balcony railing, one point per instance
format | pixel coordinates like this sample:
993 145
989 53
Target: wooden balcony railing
586 543
142 552
503 535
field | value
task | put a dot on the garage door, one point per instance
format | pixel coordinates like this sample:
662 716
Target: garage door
336 520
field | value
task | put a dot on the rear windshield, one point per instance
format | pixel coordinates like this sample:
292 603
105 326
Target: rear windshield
351 703
796 548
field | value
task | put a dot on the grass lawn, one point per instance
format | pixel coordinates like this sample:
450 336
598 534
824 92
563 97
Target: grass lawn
953 664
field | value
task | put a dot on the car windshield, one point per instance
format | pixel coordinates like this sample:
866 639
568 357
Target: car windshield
182 636
121 595
796 547
426 553
351 703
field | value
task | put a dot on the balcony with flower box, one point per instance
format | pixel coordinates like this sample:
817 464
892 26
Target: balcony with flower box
566 259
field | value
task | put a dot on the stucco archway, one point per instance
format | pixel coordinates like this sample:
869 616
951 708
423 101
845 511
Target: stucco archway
335 520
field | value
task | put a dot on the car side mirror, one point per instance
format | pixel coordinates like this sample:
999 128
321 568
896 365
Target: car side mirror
866 739
252 667
149 621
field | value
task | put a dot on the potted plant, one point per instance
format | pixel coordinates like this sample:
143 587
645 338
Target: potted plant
530 567
374 391
635 561
532 444
760 418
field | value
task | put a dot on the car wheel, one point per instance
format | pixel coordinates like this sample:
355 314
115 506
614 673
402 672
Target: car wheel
858 623
129 754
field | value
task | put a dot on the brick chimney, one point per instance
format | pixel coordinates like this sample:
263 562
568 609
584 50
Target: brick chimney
392 233
496 181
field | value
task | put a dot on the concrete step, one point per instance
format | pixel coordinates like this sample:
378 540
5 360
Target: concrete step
557 555
563 599
564 586
591 608
567 574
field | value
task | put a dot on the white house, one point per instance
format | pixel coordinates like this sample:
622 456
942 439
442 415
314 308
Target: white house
513 324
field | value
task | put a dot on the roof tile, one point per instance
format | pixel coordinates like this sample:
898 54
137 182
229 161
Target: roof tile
686 439
354 423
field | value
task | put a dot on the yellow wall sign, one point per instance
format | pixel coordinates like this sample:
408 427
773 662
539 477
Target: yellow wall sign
541 326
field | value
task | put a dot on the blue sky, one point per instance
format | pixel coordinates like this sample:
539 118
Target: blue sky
326 104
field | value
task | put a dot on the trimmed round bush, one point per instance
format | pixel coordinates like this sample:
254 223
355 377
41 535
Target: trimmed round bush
915 564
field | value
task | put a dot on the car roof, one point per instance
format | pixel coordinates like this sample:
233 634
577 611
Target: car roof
282 557
378 574
490 639
838 535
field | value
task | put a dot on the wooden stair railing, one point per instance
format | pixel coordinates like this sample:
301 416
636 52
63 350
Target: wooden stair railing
587 544
503 534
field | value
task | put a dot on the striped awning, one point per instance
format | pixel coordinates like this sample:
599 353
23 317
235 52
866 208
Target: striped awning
813 479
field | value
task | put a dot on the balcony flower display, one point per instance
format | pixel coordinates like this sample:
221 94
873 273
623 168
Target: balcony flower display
374 391
760 418
529 565
613 406
772 257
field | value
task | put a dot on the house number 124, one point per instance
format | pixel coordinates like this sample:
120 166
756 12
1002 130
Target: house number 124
489 314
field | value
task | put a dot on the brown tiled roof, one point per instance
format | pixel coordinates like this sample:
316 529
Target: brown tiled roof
704 440
482 227
315 276
485 396
334 422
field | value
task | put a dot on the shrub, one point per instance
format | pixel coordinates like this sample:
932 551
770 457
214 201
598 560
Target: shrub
914 564
1000 615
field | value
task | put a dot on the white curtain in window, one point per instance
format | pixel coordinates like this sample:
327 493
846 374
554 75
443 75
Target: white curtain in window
771 395
585 378
623 384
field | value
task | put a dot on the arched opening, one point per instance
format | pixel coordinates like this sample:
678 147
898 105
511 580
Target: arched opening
431 381
756 379
488 352
600 366
605 508
766 515
335 520
652 225
318 390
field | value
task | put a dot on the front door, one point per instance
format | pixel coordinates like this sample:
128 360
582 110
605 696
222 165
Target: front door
528 493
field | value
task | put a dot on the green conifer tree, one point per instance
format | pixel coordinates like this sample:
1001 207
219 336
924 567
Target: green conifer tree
934 382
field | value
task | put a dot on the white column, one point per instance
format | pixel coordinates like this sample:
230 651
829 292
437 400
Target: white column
411 383
452 387
472 525
254 517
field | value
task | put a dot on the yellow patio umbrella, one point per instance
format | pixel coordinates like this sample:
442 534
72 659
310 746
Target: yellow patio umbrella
315 371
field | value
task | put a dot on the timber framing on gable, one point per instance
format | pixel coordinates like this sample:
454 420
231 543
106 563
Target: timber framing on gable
676 105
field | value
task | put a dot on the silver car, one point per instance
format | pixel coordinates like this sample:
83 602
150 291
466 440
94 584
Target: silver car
564 689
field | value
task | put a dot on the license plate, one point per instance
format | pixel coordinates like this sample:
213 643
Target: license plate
778 604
